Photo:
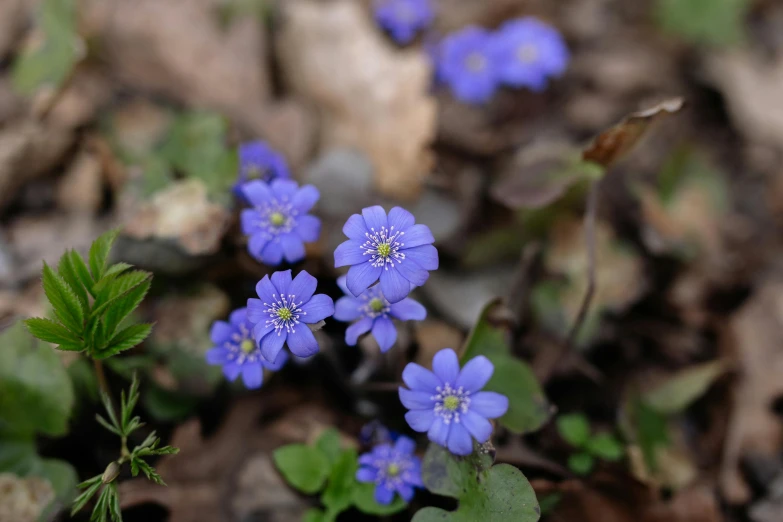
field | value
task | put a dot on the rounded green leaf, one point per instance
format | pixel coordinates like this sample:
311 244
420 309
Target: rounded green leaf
605 446
329 444
338 494
574 428
581 463
304 467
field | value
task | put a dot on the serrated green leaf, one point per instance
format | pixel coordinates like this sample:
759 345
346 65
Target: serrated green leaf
81 270
574 428
605 446
63 299
125 340
118 288
363 498
681 390
86 495
51 332
581 463
337 496
36 394
329 444
124 305
99 253
304 467
68 272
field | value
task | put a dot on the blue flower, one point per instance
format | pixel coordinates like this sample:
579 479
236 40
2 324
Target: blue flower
374 313
527 52
403 18
374 432
278 224
394 250
237 352
448 403
257 160
284 310
392 469
465 63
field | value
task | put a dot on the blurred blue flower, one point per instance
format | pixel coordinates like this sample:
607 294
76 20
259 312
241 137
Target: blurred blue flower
392 469
465 63
279 223
257 160
374 313
394 250
448 403
404 18
527 52
374 432
237 352
284 310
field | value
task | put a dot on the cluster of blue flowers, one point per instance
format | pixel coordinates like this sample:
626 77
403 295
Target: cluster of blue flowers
522 53
404 19
388 255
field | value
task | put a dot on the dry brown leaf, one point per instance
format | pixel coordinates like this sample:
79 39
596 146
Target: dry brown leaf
371 95
612 144
23 500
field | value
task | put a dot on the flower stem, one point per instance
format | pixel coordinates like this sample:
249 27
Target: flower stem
104 386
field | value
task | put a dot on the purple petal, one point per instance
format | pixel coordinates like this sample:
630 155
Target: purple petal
253 375
261 330
400 219
408 310
305 198
250 221
347 309
221 332
353 332
411 271
217 356
360 277
426 256
446 365
413 477
416 400
395 286
301 341
439 431
255 310
265 290
284 189
417 235
293 248
257 192
405 445
308 228
282 280
420 420
319 307
383 495
355 228
271 345
256 245
280 361
475 374
349 253
366 474
375 218
418 378
271 254
405 491
384 332
238 316
344 287
303 286
232 371
367 459
489 404
479 427
459 442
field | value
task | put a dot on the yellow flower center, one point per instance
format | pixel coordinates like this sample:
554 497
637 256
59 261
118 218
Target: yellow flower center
393 470
247 346
284 314
384 249
277 219
451 403
376 305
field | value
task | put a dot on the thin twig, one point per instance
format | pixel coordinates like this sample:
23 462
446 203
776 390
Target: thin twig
104 386
590 217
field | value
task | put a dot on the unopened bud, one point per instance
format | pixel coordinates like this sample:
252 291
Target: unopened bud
111 473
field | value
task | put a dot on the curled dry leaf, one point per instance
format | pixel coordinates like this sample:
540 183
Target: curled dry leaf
612 144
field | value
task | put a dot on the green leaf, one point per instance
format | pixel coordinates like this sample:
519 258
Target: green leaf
528 408
329 444
574 428
63 299
36 394
124 306
93 485
304 467
125 339
48 61
69 274
707 22
681 390
118 288
499 492
605 446
581 463
80 269
51 332
363 497
338 495
313 515
652 432
99 253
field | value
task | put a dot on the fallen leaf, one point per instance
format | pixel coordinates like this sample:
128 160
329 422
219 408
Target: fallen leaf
23 500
